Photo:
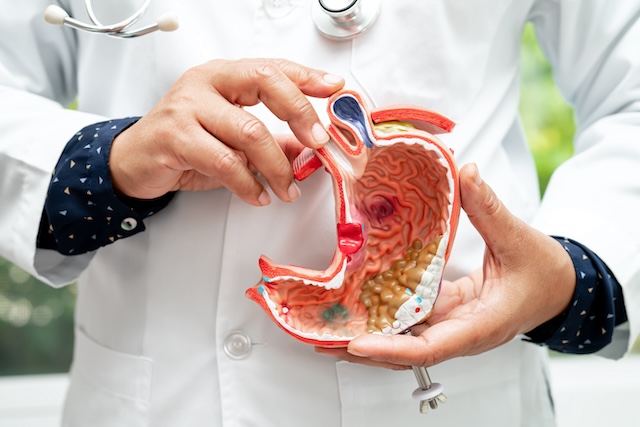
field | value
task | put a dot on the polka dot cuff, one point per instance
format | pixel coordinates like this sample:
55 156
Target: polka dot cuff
82 213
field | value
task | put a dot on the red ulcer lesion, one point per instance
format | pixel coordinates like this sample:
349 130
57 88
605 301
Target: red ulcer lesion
417 189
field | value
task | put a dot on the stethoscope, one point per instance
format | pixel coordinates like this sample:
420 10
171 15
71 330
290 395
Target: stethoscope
335 19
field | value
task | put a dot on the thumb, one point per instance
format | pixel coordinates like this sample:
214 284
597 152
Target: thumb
497 226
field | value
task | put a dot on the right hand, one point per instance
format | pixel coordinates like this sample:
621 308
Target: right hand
198 137
526 279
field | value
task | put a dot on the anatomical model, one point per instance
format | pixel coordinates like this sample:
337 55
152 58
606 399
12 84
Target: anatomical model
397 207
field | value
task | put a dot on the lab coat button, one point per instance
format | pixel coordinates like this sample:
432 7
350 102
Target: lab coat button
128 224
277 8
237 345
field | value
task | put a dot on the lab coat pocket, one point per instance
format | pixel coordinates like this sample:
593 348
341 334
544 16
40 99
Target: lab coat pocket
486 390
108 388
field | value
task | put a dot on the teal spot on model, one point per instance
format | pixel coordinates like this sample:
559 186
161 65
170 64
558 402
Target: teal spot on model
337 312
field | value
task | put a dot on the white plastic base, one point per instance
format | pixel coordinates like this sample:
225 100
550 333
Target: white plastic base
429 394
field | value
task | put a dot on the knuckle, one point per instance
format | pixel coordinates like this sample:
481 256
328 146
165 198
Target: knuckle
181 96
215 62
227 162
253 130
280 62
305 75
267 71
300 73
193 73
302 107
211 65
246 187
491 203
281 172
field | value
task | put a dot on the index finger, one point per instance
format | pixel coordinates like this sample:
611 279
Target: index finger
282 86
246 134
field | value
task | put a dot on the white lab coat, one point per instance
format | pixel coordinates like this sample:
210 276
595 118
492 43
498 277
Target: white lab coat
154 310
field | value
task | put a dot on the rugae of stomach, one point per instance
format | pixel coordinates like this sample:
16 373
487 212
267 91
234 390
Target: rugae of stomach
403 202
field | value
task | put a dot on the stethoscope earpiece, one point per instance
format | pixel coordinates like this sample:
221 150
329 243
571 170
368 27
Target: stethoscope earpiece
167 22
56 15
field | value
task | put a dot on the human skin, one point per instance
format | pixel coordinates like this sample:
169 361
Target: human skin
396 209
198 137
526 279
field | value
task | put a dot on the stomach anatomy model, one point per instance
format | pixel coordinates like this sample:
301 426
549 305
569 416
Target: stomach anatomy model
397 207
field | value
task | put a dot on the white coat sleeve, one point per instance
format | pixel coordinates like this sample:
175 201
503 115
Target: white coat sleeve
37 79
594 197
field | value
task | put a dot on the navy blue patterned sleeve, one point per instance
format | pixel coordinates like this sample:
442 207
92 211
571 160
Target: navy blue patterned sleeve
82 212
587 325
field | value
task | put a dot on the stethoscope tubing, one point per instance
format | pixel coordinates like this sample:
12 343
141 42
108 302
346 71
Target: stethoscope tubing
342 23
56 15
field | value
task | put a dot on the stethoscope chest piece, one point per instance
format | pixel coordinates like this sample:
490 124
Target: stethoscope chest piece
344 19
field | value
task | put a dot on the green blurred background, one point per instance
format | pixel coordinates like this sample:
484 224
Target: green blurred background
36 321
547 118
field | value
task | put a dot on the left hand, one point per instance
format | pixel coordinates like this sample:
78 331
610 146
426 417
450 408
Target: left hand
527 278
198 137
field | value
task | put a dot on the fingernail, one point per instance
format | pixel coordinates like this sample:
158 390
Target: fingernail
319 134
476 175
332 79
264 198
293 192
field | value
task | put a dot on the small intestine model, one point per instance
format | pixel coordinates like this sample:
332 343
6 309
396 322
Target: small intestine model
397 207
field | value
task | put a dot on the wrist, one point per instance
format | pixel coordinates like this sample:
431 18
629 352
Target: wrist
136 171
566 280
119 164
557 283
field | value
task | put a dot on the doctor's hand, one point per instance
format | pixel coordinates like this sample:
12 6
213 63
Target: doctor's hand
527 278
198 137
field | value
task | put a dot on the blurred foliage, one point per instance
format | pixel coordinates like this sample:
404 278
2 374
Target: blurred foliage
36 321
36 324
547 118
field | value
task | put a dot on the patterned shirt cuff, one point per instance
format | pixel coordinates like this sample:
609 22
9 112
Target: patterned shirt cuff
82 212
587 324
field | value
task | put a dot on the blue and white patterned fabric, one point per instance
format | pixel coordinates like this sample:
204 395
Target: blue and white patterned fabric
83 212
597 307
